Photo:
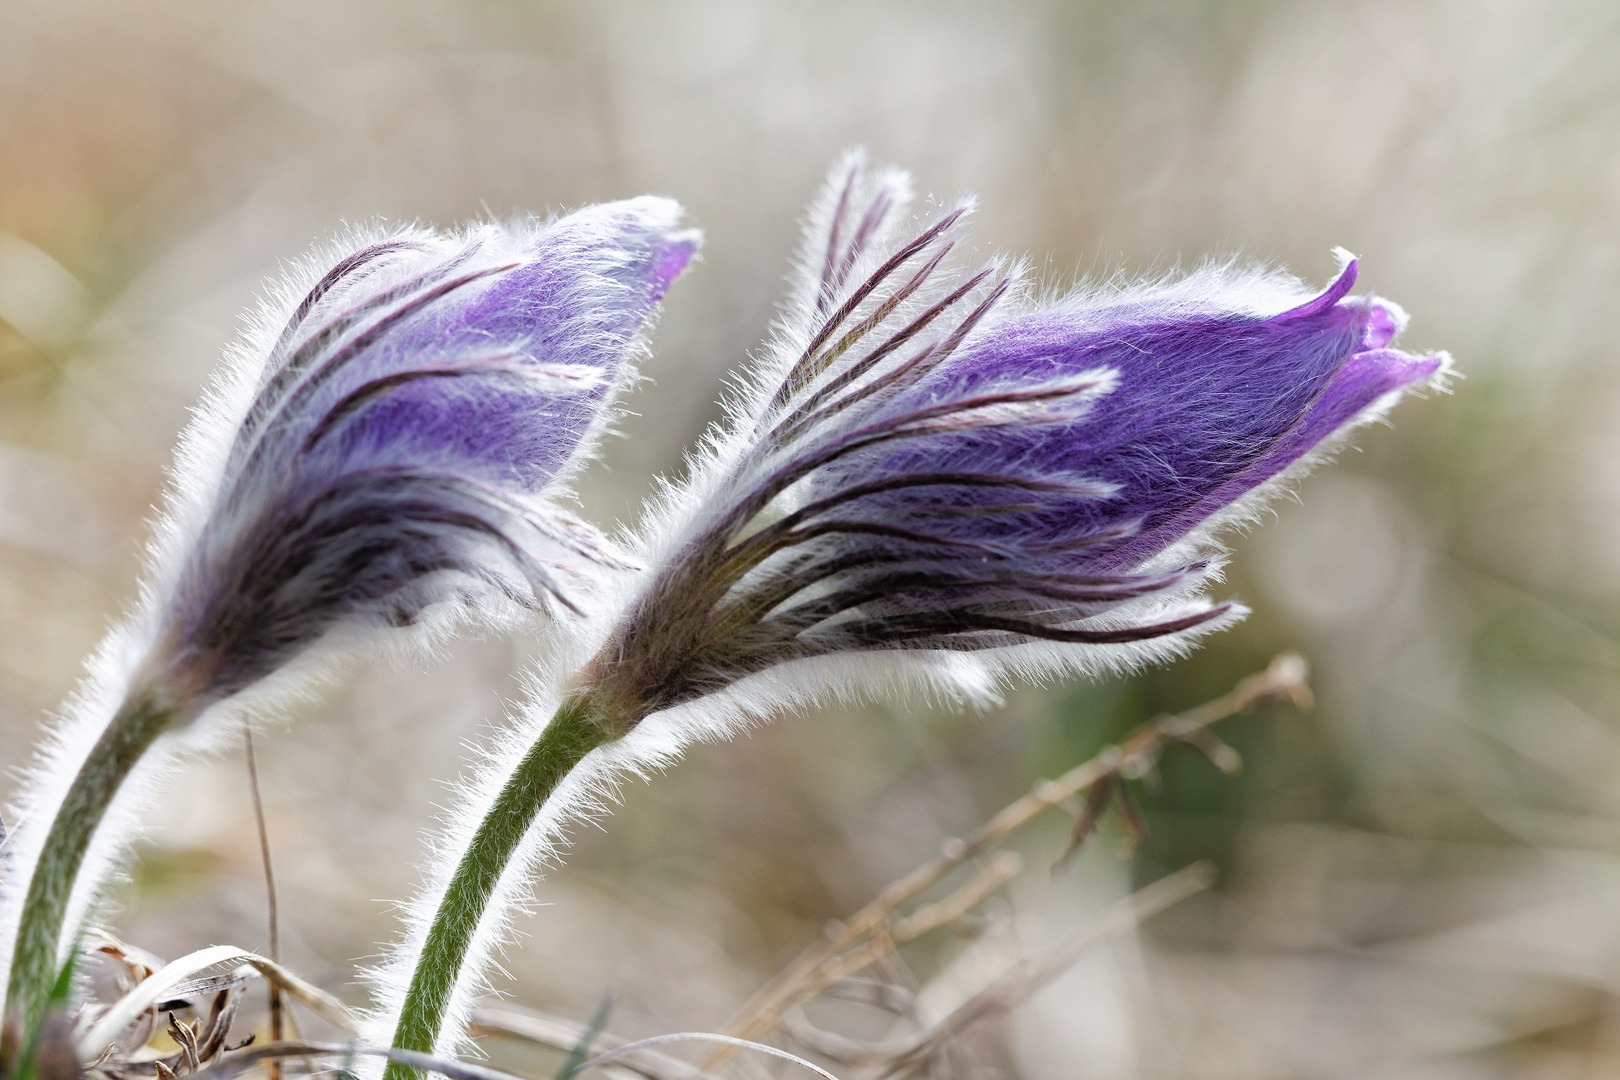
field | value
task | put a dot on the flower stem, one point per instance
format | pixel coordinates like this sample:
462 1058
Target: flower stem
572 733
136 726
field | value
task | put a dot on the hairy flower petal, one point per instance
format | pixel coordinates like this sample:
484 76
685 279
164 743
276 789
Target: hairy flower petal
1208 403
408 429
927 459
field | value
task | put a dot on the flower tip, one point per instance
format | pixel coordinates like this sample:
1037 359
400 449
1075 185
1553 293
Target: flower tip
1338 290
1385 320
1383 373
672 258
1443 372
1401 370
1434 369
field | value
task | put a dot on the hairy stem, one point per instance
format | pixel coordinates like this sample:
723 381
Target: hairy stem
573 732
138 723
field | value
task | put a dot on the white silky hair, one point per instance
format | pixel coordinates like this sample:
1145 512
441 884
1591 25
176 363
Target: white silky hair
193 486
716 475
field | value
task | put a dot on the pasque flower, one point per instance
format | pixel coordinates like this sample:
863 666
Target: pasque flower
932 474
383 449
933 462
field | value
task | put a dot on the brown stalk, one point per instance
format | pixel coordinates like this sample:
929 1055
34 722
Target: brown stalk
1029 975
561 1035
273 1065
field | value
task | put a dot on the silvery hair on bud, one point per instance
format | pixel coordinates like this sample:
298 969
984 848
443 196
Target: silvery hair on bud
934 476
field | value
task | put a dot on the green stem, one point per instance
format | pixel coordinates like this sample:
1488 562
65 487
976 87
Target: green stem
572 733
138 723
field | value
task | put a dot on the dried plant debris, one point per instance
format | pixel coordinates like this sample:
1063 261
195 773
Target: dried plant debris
149 1020
197 1043
874 933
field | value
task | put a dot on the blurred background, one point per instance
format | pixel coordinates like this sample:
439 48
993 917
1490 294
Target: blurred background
1418 878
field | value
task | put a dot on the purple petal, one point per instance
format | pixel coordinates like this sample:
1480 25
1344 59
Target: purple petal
670 262
1322 304
1208 404
1366 377
579 297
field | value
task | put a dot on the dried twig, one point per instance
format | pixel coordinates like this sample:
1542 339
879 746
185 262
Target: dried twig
555 1033
890 998
1030 974
874 930
237 1064
638 1058
705 1036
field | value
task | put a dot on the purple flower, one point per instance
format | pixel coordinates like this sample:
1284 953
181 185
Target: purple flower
929 461
408 428
389 439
